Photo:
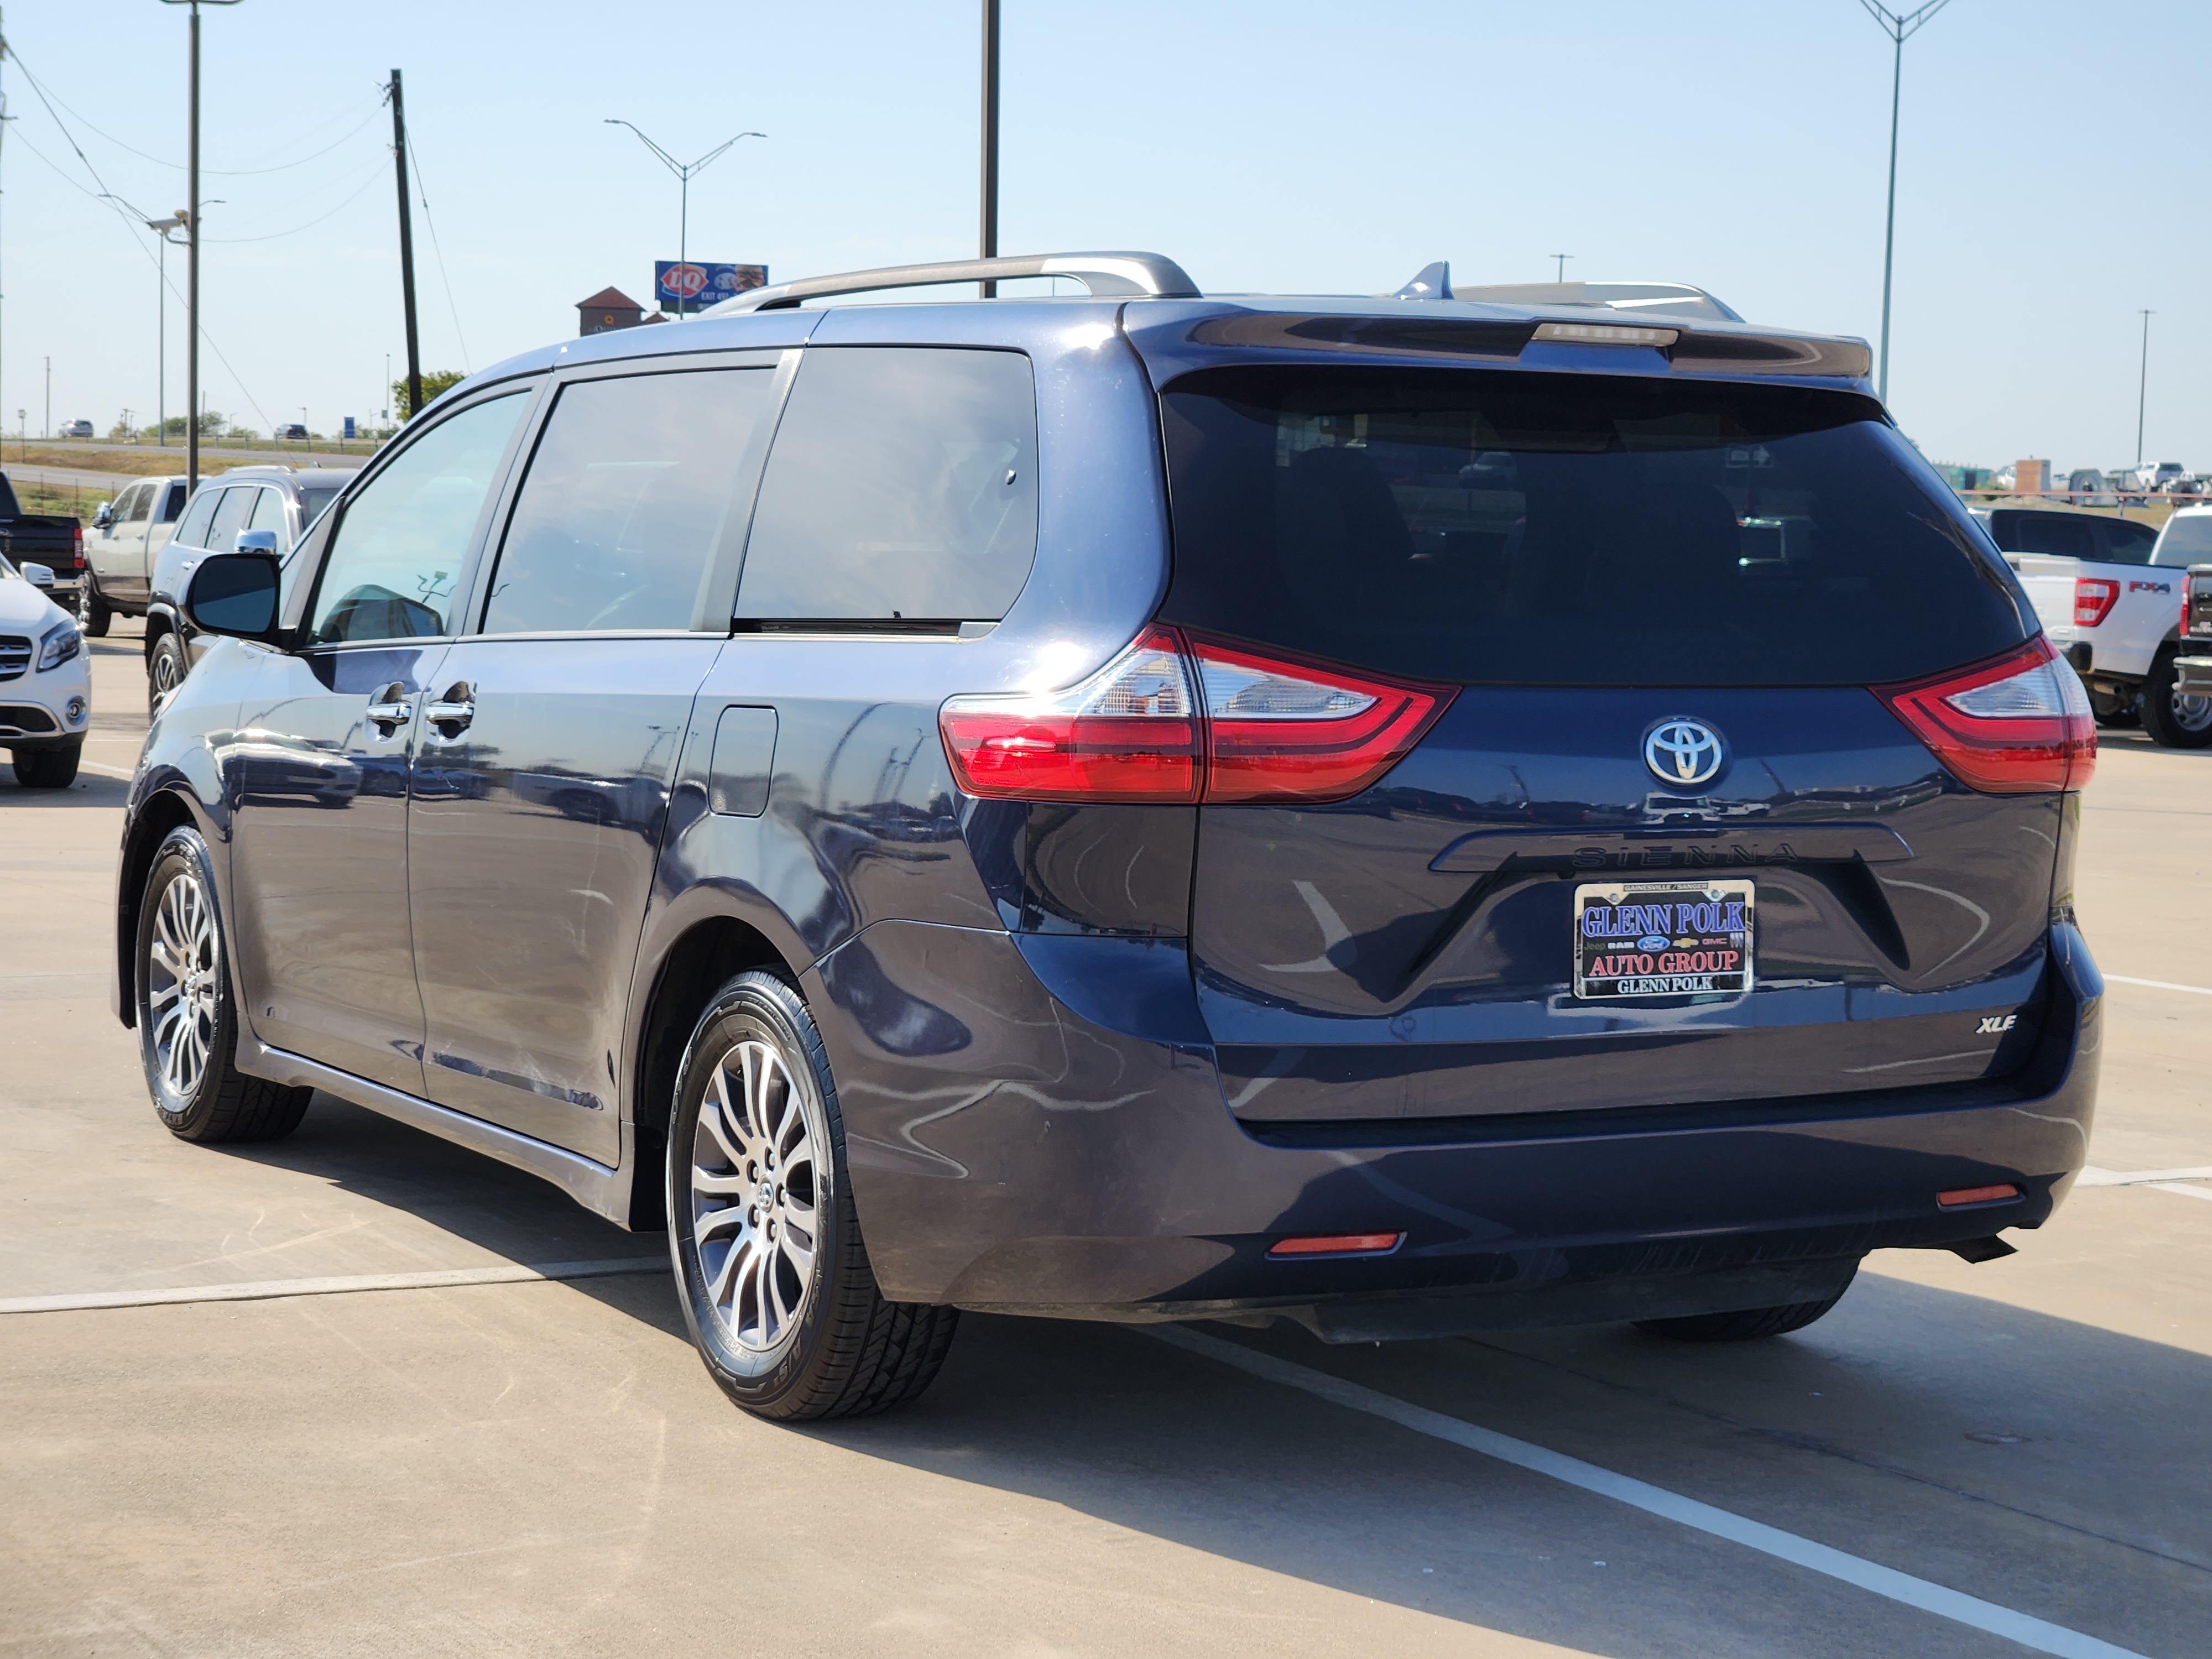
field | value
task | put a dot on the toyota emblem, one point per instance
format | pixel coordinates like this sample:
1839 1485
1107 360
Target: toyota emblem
1683 752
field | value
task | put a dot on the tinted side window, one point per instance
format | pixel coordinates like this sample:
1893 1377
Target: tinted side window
396 552
192 532
173 503
2056 534
628 498
230 517
2185 540
903 483
131 506
2126 542
269 514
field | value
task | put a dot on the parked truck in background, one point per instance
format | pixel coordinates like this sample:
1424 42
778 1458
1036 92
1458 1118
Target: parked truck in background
2109 594
53 540
127 536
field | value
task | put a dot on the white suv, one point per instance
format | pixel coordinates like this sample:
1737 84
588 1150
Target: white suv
46 680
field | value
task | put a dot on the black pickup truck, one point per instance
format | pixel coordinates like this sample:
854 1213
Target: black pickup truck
53 540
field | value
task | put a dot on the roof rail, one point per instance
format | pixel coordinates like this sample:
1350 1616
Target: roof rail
1150 276
1677 298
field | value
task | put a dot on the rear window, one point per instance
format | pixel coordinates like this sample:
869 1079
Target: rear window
1506 529
2185 541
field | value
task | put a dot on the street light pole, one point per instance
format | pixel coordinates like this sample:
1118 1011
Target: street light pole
683 172
1563 258
161 228
1900 27
193 254
989 238
2142 387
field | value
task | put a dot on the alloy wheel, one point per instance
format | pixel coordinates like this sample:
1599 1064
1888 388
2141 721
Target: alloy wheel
183 961
164 673
754 1184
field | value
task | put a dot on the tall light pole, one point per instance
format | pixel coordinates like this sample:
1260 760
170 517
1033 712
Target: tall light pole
2142 387
1563 258
683 172
192 259
988 240
1900 27
161 228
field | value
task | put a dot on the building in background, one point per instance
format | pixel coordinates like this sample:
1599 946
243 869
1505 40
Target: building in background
609 309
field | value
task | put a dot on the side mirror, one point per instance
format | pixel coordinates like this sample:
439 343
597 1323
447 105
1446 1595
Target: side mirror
234 594
39 575
255 541
103 515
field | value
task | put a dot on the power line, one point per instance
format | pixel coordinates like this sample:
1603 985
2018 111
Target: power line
224 173
415 160
375 172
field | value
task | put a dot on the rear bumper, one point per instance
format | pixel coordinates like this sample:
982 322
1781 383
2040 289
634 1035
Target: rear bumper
1035 1124
2192 675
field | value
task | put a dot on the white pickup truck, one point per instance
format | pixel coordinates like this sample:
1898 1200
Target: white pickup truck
127 535
2109 592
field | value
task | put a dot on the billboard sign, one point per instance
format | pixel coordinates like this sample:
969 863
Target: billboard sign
694 285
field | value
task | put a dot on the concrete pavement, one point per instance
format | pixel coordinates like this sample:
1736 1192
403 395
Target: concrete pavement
545 1466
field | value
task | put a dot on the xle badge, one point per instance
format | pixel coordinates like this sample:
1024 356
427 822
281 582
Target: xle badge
1994 1024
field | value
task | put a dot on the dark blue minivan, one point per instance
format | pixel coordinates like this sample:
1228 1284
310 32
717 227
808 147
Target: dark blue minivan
1417 815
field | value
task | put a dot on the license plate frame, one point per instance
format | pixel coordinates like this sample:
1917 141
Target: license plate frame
1722 915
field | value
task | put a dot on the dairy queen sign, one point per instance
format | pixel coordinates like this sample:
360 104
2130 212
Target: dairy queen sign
694 284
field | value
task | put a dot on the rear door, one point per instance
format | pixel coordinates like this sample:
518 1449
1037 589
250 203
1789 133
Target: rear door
1662 845
553 733
161 521
117 554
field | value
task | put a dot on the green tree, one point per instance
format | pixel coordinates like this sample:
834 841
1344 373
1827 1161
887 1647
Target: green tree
435 381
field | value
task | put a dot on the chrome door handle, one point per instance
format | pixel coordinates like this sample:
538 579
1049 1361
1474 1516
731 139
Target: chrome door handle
389 709
449 716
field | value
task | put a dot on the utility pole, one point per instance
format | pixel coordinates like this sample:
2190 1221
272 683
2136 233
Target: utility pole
47 427
2142 386
406 250
193 251
1900 27
989 238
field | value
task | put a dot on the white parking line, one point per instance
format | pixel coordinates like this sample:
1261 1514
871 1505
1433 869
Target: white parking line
121 772
2030 1632
2161 985
270 1289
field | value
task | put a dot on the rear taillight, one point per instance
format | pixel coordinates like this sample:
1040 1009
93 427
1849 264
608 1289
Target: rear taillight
2016 725
1130 732
1176 719
1279 730
76 547
2093 598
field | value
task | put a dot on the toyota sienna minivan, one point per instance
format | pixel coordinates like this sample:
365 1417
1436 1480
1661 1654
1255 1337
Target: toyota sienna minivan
1430 814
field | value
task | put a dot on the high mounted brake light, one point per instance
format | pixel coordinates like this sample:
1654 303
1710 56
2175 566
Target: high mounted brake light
1177 719
2018 725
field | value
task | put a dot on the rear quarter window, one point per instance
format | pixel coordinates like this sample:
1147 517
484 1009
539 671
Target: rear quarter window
1514 529
902 485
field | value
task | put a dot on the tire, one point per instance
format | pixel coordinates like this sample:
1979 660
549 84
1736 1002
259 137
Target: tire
92 611
166 668
2173 721
47 768
188 1019
780 1297
1745 1324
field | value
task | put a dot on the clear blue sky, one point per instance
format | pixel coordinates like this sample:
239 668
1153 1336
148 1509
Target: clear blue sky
2052 181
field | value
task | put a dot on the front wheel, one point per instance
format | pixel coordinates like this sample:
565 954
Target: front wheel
165 671
48 768
770 1266
187 1024
2171 720
92 612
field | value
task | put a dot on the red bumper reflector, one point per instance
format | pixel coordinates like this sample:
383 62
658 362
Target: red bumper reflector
1965 1195
1337 1244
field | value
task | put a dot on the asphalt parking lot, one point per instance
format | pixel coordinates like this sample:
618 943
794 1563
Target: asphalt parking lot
1963 1459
